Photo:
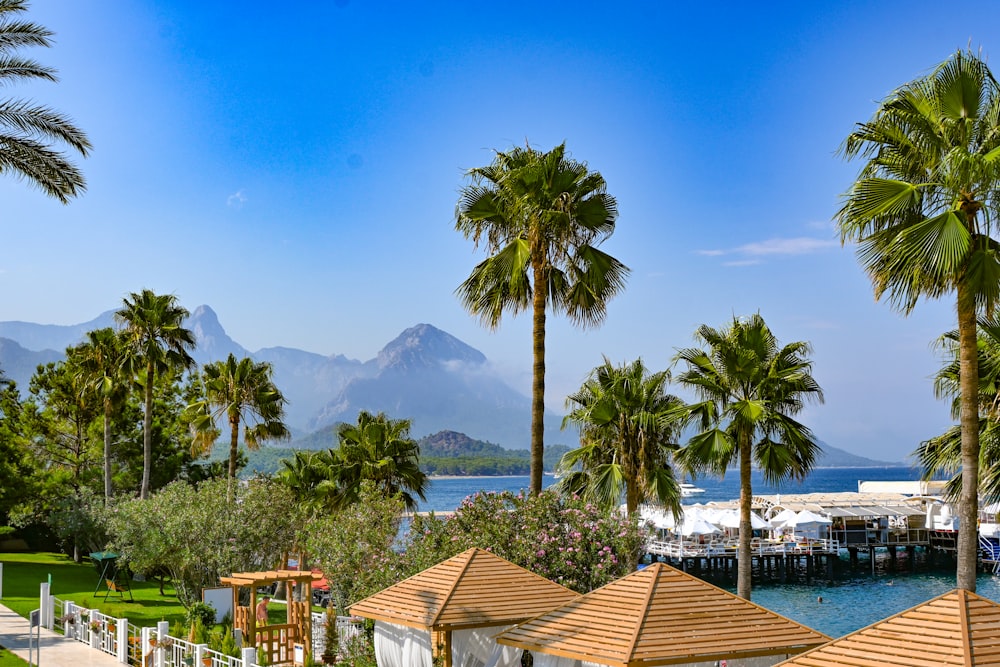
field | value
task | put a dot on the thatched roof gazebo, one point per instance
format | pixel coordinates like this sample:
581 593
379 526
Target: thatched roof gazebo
660 616
467 599
278 639
958 628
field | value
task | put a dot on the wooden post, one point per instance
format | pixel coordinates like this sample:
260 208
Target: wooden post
447 648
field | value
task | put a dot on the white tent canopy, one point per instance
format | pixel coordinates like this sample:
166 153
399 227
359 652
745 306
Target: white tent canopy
731 519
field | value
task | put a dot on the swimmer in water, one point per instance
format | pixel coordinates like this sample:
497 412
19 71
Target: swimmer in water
819 599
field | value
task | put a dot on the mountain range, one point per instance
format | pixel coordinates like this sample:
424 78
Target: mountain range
424 374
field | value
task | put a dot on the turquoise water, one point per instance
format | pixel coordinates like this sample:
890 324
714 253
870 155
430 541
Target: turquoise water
851 601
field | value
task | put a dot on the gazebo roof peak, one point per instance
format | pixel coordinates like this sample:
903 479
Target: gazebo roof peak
475 588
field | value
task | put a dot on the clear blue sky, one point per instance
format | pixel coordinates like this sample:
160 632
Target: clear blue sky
296 167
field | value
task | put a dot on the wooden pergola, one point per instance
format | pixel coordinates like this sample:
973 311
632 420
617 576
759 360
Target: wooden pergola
277 639
475 589
958 628
661 616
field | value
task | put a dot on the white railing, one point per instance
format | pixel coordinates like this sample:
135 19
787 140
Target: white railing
686 549
348 627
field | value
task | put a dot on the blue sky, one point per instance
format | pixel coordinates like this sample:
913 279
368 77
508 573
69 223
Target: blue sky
296 167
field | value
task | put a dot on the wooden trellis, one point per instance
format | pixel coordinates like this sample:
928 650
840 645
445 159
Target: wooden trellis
276 639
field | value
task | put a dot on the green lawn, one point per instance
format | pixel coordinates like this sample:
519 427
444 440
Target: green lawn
8 659
23 572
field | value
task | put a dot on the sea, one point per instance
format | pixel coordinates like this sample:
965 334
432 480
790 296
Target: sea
853 599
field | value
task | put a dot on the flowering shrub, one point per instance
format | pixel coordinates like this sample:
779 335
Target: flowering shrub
571 542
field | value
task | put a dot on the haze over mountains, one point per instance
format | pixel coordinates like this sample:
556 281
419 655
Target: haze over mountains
424 374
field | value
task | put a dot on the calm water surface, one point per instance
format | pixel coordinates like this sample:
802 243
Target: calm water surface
851 601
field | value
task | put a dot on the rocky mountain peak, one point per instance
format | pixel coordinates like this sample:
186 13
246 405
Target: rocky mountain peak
424 346
214 344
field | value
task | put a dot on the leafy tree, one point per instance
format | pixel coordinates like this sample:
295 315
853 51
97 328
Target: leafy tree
28 131
197 535
565 539
750 389
243 393
155 342
626 438
17 474
101 359
378 449
311 478
358 539
921 212
541 217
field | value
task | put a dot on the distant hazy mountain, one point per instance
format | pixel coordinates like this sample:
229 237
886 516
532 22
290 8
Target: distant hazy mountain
440 383
838 458
425 375
19 364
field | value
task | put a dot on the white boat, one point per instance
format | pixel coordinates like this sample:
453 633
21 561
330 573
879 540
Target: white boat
689 489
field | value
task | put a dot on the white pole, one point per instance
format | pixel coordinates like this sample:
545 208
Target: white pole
121 628
162 632
43 603
1 581
249 656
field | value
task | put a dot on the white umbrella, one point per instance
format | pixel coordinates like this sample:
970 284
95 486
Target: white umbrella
660 518
698 527
731 519
805 516
785 517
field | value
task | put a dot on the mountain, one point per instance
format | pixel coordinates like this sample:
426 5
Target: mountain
831 457
440 383
19 364
424 374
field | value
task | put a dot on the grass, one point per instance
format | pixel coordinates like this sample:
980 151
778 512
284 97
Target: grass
23 572
8 659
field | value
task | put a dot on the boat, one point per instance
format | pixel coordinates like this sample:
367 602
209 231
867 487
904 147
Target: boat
689 489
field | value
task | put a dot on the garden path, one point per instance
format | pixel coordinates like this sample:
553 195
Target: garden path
57 651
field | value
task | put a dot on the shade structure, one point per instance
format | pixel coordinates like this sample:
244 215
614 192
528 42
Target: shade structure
783 518
957 628
731 519
805 516
475 589
661 616
698 527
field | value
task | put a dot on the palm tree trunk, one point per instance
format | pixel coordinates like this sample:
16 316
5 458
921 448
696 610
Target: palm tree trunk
147 434
744 568
107 449
538 380
234 434
968 503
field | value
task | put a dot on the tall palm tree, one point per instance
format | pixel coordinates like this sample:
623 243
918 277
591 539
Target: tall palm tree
922 212
244 394
750 389
942 454
27 130
626 438
101 358
541 217
378 449
155 341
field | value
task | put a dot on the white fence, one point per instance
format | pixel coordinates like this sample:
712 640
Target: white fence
134 645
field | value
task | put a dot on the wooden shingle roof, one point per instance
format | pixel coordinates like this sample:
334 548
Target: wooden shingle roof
661 616
957 628
473 589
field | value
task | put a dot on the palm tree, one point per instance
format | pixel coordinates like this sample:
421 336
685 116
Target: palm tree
101 358
943 453
921 212
541 217
311 478
27 131
155 341
750 388
244 394
626 438
378 449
